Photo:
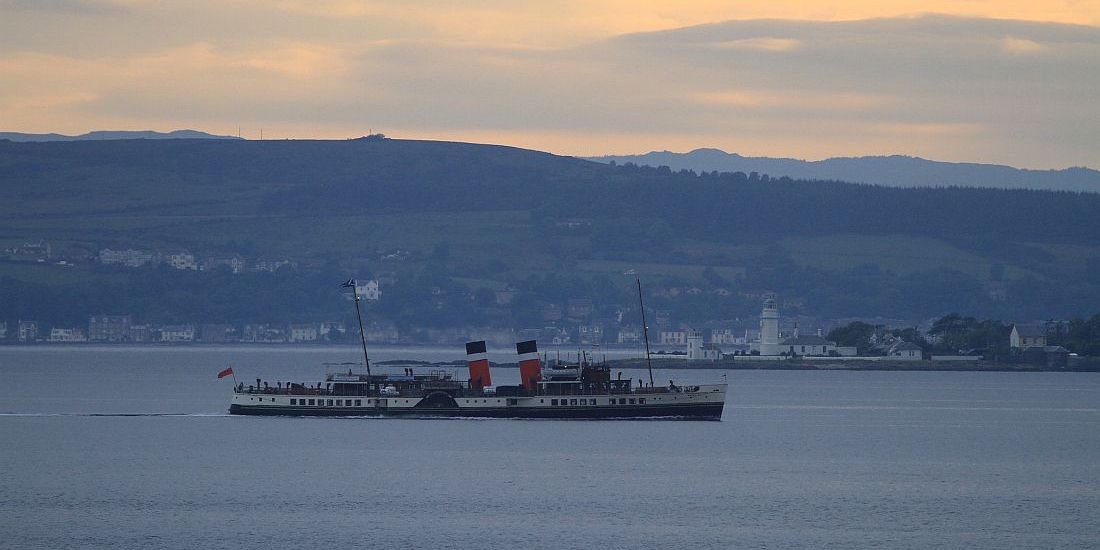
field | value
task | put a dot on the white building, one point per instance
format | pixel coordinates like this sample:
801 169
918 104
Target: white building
699 351
303 333
906 350
769 328
183 260
672 337
67 335
28 331
1026 336
128 257
177 333
368 290
807 346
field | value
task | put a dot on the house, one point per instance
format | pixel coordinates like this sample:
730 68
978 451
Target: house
177 333
672 337
806 346
905 350
233 263
67 335
331 330
590 334
303 333
270 266
724 335
700 351
108 328
140 333
629 335
28 331
262 334
368 290
128 257
1026 336
3 330
183 261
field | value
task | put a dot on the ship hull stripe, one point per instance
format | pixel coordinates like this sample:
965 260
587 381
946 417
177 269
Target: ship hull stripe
685 411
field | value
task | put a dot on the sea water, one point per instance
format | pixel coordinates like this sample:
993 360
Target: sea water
127 447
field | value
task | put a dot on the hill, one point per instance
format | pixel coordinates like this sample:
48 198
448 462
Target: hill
452 222
113 134
895 171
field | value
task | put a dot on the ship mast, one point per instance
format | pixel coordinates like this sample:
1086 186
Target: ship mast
645 332
359 314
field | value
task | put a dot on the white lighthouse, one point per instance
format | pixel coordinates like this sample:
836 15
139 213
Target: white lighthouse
769 327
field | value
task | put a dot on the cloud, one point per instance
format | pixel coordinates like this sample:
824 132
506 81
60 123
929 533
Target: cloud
1012 44
943 87
763 43
65 6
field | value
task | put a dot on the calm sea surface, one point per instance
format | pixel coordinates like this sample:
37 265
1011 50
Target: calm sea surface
131 448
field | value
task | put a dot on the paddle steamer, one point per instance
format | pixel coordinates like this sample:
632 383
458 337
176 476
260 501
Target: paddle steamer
581 390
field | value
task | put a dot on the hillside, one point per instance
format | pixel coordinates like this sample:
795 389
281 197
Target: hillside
895 171
451 220
113 134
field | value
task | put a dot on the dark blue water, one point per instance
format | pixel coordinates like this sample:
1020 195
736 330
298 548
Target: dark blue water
801 460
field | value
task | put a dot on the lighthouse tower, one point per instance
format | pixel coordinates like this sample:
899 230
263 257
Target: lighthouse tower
769 327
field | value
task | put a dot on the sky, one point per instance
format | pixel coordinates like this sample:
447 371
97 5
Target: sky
1013 82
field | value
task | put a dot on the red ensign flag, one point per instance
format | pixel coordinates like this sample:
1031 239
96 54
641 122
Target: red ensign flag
225 373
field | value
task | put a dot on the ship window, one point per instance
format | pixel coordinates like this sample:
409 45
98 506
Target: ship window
572 401
641 401
311 402
358 402
622 401
347 402
611 401
554 402
293 401
329 402
631 400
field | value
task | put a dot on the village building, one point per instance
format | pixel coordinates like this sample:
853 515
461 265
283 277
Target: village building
368 290
140 333
177 333
812 346
1026 336
697 350
67 335
303 333
233 263
28 331
128 258
672 337
183 261
590 334
905 350
108 328
629 335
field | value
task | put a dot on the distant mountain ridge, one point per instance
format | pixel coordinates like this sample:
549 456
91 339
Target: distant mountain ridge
894 171
113 134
